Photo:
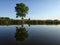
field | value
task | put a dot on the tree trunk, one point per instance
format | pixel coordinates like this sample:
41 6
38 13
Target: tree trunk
22 22
22 18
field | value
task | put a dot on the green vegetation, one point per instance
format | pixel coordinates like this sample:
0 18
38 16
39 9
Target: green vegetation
21 10
48 22
8 21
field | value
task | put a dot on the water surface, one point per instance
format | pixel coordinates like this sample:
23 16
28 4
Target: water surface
33 35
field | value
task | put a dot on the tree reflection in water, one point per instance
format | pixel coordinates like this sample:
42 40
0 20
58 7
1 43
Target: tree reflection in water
21 33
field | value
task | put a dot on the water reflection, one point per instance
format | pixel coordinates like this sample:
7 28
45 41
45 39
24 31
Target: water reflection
21 33
29 25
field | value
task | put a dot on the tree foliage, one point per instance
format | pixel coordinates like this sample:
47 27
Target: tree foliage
21 10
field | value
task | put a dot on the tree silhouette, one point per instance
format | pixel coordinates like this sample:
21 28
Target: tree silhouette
21 10
21 34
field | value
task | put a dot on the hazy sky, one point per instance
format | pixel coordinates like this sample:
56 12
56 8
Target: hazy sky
38 9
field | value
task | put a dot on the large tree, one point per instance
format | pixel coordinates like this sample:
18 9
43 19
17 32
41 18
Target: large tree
21 10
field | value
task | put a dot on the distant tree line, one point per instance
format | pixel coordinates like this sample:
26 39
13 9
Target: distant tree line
8 21
48 22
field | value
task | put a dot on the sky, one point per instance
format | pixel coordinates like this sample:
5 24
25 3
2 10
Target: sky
38 9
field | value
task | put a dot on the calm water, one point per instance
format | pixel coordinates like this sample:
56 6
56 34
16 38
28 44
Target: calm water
33 35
